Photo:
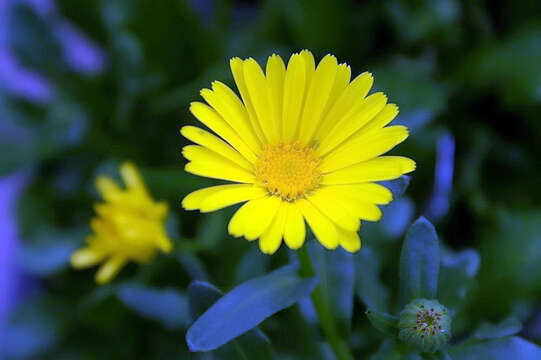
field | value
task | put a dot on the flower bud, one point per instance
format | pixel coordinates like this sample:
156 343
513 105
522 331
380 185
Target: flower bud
425 325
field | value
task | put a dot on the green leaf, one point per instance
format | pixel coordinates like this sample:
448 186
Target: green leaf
335 270
386 323
513 347
507 327
166 306
247 305
368 284
419 262
252 345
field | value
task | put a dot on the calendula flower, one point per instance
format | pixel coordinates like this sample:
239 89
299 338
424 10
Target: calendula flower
129 226
302 144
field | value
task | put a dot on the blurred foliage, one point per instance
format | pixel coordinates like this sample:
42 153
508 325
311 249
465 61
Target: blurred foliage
466 68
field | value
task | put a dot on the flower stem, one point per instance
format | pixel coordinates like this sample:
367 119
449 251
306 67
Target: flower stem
323 310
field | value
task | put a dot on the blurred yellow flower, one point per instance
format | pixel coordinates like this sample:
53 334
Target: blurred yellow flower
304 143
129 226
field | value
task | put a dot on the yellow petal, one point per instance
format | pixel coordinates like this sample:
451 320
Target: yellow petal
237 69
369 108
217 197
317 97
366 193
231 109
254 217
206 139
294 228
108 189
378 169
334 210
272 237
205 162
132 178
364 146
85 257
349 240
353 94
256 85
294 89
310 65
322 227
109 270
276 72
210 118
384 117
341 81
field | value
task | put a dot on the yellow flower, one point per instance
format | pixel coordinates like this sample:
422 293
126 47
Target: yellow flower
303 144
129 226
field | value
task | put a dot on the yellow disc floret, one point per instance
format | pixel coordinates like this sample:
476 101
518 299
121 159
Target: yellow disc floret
288 170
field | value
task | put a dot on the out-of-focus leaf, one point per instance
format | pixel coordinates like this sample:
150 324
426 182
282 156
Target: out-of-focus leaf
457 273
397 216
246 306
513 347
510 252
50 253
368 284
419 262
335 270
169 307
384 322
509 65
387 351
508 327
253 345
252 264
192 265
34 329
102 310
412 87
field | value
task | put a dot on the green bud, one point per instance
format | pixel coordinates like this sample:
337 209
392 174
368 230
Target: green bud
425 325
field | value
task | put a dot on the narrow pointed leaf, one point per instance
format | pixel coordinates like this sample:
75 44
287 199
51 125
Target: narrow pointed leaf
166 306
384 322
419 262
254 344
507 327
247 305
397 186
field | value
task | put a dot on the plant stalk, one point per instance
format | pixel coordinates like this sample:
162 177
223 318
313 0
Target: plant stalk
323 310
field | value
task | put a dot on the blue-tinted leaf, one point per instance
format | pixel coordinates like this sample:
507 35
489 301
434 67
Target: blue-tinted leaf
254 344
201 296
514 348
166 306
507 327
45 259
397 186
336 273
419 262
457 273
192 265
396 217
384 322
247 305
369 287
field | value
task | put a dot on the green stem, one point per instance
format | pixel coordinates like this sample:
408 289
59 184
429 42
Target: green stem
323 310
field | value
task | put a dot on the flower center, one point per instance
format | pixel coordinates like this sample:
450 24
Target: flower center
288 170
428 321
